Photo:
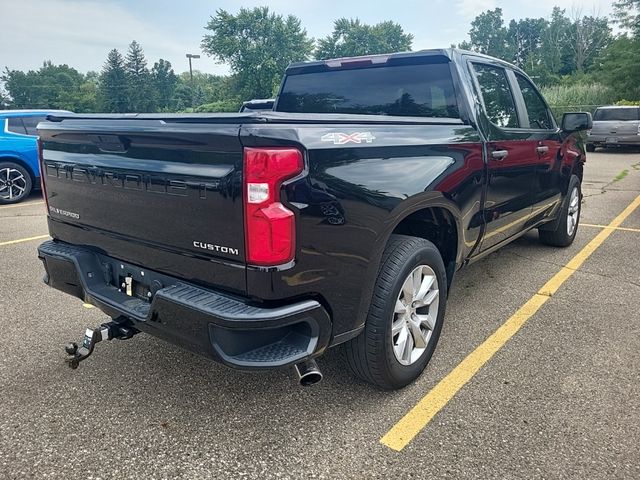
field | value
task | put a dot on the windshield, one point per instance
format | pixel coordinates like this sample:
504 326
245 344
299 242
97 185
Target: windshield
605 114
424 90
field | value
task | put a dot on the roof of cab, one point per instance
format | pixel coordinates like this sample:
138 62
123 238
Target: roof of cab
605 107
299 67
445 54
30 113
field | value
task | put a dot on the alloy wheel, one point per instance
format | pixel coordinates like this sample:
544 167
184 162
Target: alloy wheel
415 315
573 211
13 184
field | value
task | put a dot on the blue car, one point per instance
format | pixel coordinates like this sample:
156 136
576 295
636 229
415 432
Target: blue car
19 168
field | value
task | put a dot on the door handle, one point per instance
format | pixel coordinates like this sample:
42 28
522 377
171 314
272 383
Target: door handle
542 149
499 154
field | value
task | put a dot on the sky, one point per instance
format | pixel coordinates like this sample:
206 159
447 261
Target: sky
80 33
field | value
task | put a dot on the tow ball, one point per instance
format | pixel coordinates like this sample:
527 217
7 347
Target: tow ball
106 331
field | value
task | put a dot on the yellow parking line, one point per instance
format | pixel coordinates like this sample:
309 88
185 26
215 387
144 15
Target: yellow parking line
21 240
4 207
624 229
435 400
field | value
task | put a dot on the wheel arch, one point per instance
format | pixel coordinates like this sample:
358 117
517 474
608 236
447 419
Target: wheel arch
578 167
411 215
438 225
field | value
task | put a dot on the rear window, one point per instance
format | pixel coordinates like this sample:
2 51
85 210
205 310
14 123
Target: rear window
605 114
31 123
424 90
15 125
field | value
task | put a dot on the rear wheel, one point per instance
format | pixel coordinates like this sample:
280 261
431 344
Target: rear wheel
15 183
591 147
405 317
567 226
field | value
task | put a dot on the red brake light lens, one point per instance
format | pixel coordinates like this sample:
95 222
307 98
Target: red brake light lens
269 225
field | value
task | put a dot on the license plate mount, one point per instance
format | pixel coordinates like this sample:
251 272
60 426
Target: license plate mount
133 288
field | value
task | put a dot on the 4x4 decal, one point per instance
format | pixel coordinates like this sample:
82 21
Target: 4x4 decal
339 138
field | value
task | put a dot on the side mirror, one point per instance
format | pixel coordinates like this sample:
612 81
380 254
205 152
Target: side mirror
576 122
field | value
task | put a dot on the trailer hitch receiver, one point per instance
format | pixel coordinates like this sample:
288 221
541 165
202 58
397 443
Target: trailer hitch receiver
106 331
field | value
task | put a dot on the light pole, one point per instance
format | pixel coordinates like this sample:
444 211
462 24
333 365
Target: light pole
190 56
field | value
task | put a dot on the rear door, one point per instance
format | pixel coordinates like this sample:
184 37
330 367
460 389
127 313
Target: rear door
541 128
512 156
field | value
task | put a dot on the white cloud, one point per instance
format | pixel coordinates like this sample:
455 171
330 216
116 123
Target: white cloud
81 33
471 8
540 8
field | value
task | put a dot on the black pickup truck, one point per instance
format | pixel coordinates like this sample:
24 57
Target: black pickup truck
261 239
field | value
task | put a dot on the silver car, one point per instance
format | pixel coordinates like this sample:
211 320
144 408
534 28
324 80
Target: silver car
614 126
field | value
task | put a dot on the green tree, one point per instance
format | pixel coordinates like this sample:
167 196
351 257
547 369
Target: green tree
257 45
228 105
139 92
351 38
555 43
525 38
52 86
627 14
182 96
20 88
113 86
4 100
203 88
620 67
163 81
488 35
620 60
588 36
85 99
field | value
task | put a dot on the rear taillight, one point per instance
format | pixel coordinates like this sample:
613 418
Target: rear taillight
269 225
42 173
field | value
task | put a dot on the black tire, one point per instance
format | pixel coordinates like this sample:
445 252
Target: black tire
560 235
24 184
591 147
371 354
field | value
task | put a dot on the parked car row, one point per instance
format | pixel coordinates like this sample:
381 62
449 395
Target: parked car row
614 126
19 170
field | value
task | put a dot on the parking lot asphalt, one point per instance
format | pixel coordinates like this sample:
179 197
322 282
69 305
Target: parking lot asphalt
560 399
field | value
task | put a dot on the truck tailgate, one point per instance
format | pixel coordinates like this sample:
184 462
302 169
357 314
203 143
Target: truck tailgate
164 195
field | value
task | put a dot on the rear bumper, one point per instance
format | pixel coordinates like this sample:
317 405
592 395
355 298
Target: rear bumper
225 328
613 139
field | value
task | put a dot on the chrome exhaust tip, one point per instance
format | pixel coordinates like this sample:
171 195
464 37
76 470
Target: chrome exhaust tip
308 372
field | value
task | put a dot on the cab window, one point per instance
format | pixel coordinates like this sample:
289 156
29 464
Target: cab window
537 111
497 96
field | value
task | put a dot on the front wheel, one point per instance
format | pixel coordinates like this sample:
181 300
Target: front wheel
565 229
405 317
15 183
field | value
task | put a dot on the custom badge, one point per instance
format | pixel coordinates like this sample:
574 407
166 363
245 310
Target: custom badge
339 138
